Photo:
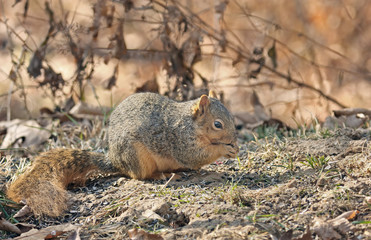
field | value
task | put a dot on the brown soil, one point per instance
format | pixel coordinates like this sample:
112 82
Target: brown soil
271 192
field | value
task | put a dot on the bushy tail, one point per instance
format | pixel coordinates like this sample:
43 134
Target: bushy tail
43 186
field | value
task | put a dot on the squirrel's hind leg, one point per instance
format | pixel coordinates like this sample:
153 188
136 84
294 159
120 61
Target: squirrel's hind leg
126 159
139 162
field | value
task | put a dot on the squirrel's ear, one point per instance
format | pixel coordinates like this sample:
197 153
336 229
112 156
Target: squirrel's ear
201 107
213 94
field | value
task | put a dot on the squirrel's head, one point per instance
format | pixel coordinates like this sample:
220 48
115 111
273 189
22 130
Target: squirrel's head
215 126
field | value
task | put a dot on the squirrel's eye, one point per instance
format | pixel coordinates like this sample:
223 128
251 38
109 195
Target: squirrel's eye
218 124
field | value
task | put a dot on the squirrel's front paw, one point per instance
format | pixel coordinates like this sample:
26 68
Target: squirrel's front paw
232 150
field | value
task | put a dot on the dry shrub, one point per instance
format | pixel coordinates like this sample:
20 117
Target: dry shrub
300 57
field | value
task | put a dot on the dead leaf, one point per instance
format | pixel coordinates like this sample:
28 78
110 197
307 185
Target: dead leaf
352 111
110 16
149 214
348 215
259 109
128 5
120 46
237 60
139 234
83 108
25 8
48 233
34 68
220 8
191 50
54 81
25 211
149 86
76 51
325 230
256 62
7 226
25 227
100 10
22 133
110 82
246 118
331 229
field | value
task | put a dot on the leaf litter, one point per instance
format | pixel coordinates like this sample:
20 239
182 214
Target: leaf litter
270 192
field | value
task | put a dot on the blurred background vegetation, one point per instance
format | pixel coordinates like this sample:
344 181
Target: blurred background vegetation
298 59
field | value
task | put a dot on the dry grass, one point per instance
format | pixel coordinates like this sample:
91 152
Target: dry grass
271 189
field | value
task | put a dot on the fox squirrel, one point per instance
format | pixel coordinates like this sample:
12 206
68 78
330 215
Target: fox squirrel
149 135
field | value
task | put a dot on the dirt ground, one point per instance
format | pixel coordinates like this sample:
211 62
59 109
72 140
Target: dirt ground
310 187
